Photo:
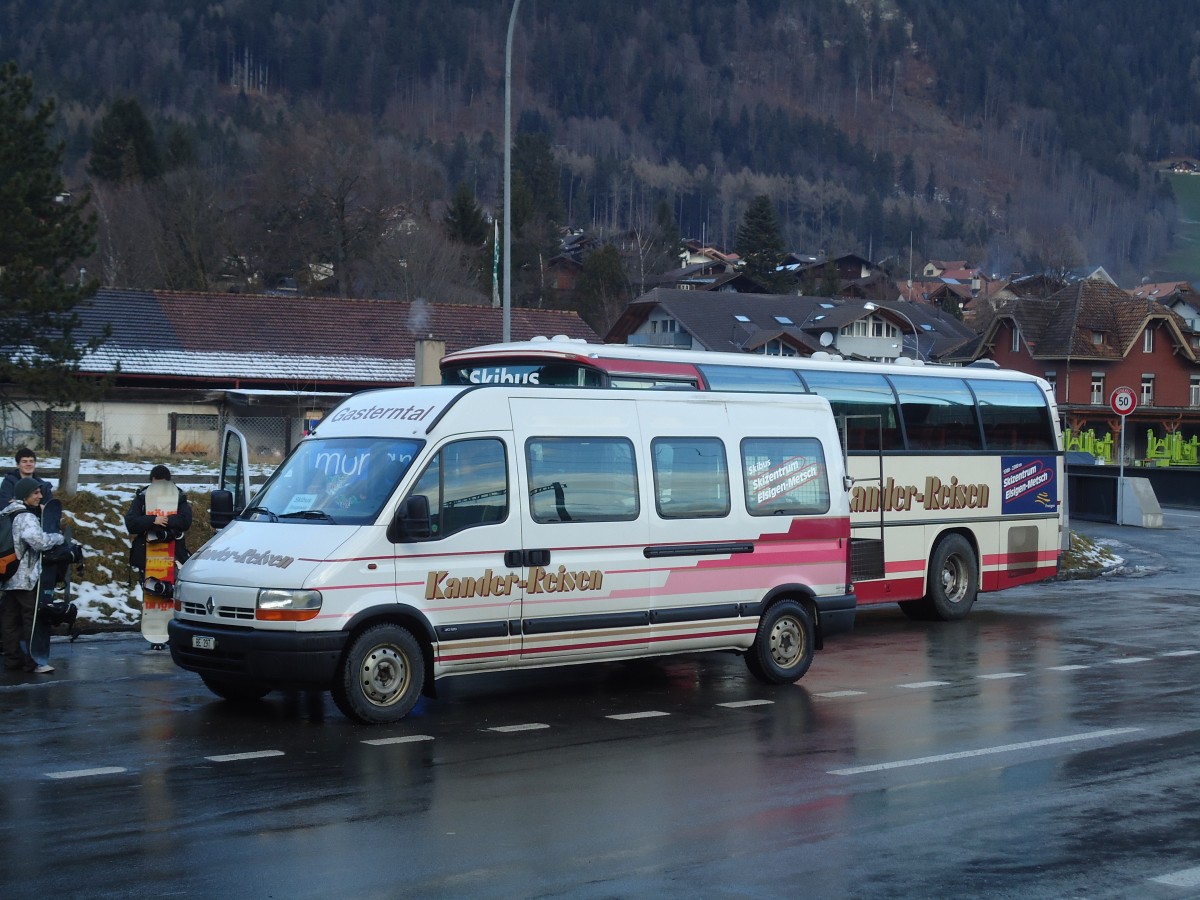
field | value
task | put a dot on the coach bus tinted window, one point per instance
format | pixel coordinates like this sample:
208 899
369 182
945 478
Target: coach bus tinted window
584 479
1015 416
543 374
859 395
785 477
691 478
938 413
748 378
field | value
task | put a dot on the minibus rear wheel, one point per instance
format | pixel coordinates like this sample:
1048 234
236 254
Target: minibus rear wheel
382 674
783 648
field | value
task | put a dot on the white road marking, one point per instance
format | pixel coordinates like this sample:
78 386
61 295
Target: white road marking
1000 675
648 714
1185 878
254 754
985 751
1181 653
506 729
1068 668
917 685
1124 661
404 739
840 694
85 773
740 704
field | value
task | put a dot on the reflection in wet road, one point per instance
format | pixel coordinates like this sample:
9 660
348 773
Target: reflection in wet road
1045 747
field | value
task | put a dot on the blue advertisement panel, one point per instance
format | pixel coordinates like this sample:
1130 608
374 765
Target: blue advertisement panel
1028 484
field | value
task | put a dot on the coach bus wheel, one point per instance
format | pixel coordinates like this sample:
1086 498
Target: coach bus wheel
783 648
381 676
953 579
236 690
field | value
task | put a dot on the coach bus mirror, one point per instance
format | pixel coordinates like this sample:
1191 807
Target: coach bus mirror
847 483
220 508
411 522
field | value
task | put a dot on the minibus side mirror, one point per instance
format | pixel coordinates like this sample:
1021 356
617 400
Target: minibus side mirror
411 522
220 508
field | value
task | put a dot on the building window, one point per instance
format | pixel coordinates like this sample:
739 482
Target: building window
1147 341
1194 391
1097 338
877 329
1097 388
1052 377
1147 390
860 328
1016 338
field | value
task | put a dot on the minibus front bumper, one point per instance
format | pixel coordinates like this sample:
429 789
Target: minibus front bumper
281 658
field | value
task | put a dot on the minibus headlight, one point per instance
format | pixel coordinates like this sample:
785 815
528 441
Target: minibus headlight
276 605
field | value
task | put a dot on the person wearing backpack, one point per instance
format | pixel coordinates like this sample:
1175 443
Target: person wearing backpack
19 603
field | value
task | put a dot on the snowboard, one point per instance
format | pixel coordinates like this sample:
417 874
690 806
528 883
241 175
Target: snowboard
158 587
39 634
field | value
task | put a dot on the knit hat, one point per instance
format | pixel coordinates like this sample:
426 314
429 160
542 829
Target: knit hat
160 473
25 487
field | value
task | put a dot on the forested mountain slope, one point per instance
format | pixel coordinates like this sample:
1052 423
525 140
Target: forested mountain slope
1016 134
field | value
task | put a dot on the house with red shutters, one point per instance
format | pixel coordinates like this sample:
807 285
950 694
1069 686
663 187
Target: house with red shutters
1090 338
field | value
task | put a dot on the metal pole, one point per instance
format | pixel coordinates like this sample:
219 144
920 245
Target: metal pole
1121 478
512 21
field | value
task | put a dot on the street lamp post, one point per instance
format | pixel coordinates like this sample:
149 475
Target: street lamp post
512 22
916 334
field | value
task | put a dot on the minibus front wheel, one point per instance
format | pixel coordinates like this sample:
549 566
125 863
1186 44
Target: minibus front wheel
783 648
381 676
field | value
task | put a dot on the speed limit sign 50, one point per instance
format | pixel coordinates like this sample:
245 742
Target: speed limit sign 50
1123 401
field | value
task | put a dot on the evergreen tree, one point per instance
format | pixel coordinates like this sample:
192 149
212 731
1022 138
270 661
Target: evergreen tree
464 220
123 145
43 235
601 291
759 242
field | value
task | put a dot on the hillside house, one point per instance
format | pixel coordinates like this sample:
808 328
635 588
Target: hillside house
1091 337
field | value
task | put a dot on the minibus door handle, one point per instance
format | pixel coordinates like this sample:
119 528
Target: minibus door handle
520 559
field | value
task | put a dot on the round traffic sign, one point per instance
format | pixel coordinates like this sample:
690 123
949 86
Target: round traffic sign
1123 401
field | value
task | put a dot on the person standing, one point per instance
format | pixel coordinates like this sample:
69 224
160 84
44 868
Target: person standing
138 523
26 466
19 604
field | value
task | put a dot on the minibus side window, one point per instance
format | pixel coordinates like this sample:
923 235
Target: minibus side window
691 478
467 485
582 479
785 477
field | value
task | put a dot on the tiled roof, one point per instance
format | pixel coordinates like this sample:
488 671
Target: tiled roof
711 319
219 337
1063 325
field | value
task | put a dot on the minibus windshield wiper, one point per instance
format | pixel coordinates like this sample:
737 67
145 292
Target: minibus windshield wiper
260 509
308 514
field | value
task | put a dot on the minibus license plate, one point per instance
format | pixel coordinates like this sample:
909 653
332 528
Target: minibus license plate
203 642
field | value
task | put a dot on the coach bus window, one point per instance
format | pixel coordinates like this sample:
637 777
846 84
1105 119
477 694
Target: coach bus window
785 477
752 378
938 413
860 394
1015 416
691 478
584 479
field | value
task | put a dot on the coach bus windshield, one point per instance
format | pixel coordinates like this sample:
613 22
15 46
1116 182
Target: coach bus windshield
544 374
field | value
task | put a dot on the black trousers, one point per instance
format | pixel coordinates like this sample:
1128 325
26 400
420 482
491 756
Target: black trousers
16 625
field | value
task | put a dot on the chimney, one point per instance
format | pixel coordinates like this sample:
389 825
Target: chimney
427 353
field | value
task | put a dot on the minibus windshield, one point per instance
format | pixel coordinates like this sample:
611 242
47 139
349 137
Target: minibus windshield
339 481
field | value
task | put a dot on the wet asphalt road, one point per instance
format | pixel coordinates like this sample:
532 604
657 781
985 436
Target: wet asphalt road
1046 747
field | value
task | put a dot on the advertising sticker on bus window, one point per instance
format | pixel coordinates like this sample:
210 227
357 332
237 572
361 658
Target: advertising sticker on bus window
1028 484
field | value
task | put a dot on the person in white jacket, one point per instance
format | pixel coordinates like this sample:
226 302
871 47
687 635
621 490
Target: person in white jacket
19 604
